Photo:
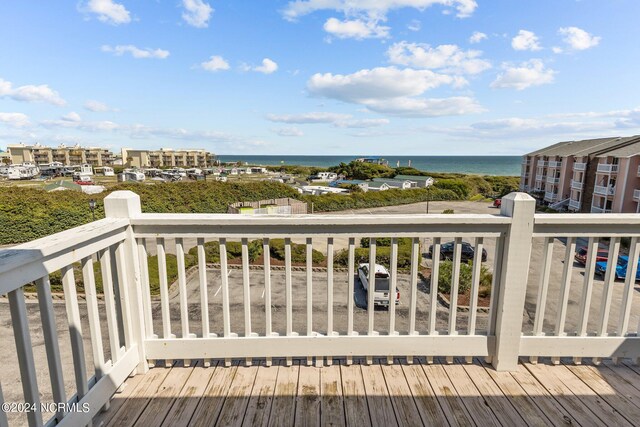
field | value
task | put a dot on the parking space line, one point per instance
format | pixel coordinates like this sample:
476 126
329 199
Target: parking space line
217 291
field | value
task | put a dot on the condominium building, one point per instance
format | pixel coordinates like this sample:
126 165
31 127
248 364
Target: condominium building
168 157
581 175
75 155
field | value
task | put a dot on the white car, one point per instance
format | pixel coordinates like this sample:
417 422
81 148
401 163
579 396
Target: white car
382 283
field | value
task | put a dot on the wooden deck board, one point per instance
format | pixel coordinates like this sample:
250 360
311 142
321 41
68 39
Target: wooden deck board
399 394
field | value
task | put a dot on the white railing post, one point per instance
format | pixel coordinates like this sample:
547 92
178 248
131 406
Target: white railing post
126 204
513 279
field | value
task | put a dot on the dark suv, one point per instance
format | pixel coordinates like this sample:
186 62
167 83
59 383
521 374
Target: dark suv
467 253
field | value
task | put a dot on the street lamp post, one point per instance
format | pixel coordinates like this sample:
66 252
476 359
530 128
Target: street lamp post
92 206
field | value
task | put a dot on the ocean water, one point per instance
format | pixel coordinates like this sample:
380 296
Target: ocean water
481 165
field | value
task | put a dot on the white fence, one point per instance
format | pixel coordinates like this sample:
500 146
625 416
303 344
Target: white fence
142 329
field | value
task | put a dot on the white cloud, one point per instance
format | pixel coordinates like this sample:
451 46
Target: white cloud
377 83
372 8
72 117
361 123
477 37
530 73
578 39
196 13
526 40
449 58
289 131
427 107
97 106
108 11
215 63
136 52
268 66
557 49
30 93
356 28
16 120
306 118
414 25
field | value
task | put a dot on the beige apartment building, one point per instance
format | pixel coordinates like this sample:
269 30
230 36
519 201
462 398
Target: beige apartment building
583 176
76 155
168 157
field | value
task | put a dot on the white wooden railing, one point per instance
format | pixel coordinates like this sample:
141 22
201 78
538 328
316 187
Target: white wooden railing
607 168
300 320
579 166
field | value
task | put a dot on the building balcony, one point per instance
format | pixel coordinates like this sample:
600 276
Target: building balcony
552 180
638 173
542 163
579 166
526 161
636 195
604 191
540 177
555 164
215 342
550 196
575 204
577 185
597 209
607 168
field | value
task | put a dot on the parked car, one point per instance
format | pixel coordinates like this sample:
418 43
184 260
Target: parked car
497 203
581 255
382 278
467 253
621 268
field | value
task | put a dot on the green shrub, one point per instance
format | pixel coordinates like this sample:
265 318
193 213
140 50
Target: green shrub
234 250
448 211
298 252
384 242
383 256
466 272
172 270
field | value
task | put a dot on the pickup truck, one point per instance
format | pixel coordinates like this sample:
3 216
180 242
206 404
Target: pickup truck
382 281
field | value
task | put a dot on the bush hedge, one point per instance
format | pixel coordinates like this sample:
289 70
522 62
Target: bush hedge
298 252
466 272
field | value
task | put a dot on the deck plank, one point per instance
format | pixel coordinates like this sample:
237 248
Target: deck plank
213 399
623 371
331 402
606 389
283 407
406 410
235 405
259 407
471 397
518 397
500 405
308 399
356 409
162 401
138 400
118 400
445 392
380 405
423 396
562 393
189 396
555 412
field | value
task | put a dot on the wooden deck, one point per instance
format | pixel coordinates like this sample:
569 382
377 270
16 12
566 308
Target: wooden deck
379 394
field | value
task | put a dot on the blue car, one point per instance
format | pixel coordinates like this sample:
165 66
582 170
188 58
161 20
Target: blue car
621 268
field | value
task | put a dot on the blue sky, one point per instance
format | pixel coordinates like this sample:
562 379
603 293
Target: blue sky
403 77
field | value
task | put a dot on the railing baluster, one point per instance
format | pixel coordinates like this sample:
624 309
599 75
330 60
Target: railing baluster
566 285
455 282
109 303
4 421
475 285
20 324
350 291
287 292
93 314
607 292
588 286
52 346
182 287
164 289
123 293
246 292
146 290
371 287
204 297
309 252
543 288
415 263
392 290
330 286
629 285
75 330
224 277
433 287
267 291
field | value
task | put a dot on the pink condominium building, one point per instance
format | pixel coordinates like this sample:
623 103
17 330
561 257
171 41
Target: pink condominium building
592 175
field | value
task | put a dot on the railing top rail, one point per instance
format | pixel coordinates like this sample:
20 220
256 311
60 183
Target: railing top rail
26 262
582 225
